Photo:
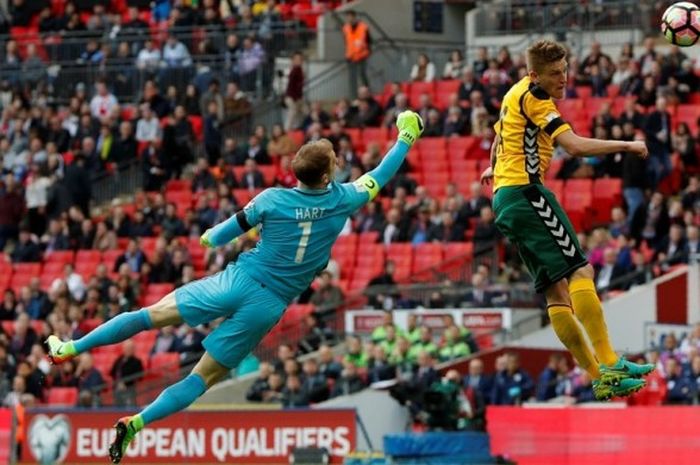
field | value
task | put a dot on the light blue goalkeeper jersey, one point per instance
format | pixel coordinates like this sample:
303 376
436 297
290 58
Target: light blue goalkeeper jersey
299 227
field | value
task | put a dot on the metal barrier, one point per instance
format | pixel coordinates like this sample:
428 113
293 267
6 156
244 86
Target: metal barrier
532 16
72 57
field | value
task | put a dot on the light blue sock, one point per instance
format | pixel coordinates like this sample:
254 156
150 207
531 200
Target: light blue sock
119 328
175 398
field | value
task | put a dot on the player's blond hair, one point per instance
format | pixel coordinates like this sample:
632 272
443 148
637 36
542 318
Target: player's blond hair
312 161
544 52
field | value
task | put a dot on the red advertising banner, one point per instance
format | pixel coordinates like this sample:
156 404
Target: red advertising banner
5 435
596 436
255 437
482 322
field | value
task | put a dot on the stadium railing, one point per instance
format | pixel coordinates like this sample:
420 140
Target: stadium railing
531 16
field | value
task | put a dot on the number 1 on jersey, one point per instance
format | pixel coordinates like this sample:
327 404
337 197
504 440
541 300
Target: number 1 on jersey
304 241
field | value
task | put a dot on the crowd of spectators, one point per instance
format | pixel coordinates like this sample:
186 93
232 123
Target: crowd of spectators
51 154
406 356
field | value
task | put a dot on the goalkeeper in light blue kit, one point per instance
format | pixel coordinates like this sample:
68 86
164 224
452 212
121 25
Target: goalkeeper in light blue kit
299 227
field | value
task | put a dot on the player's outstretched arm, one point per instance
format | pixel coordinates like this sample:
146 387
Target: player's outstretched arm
410 128
225 232
578 146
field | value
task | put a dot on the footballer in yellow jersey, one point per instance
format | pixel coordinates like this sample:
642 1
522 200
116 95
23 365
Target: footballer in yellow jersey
530 216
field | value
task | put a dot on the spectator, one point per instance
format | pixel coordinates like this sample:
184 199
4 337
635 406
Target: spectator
317 334
19 389
27 249
327 295
349 381
328 366
126 372
153 165
132 256
673 248
24 337
251 60
237 108
212 133
423 70
313 382
383 299
73 280
681 389
550 380
261 385
658 134
482 61
512 386
148 127
294 94
103 103
684 144
651 221
254 150
124 148
609 273
252 178
454 66
379 368
148 58
477 380
583 391
293 395
166 341
453 347
355 354
175 53
446 230
89 378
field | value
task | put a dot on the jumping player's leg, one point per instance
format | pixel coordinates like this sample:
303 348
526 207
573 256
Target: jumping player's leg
121 327
177 397
589 311
254 311
567 329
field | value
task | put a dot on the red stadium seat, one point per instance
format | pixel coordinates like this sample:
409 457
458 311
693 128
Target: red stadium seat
60 256
63 397
166 361
378 135
87 256
607 193
444 91
269 172
417 89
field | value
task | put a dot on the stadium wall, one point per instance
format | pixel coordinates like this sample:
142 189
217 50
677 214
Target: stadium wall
377 412
670 299
610 434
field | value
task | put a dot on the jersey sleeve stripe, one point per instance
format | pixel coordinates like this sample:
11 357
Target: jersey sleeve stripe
243 221
553 125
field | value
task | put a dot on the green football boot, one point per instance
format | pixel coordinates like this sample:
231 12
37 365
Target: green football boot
126 427
627 386
624 369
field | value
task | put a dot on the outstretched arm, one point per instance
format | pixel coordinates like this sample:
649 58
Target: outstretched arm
226 232
410 128
578 146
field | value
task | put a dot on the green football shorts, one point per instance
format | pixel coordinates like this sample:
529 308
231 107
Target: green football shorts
532 219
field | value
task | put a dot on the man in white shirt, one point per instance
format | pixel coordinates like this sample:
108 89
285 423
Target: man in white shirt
149 57
148 127
103 103
175 54
75 283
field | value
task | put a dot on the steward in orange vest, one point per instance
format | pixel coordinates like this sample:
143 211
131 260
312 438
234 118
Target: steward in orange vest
357 39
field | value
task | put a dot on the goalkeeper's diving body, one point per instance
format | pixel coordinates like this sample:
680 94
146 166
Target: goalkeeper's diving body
529 215
299 227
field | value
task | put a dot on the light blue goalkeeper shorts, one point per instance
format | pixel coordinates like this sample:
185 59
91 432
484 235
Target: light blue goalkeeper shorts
249 308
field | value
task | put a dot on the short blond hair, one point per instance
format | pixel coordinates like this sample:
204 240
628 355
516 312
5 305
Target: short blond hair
544 52
312 161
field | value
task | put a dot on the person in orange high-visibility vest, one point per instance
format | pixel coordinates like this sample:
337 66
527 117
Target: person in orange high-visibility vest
357 49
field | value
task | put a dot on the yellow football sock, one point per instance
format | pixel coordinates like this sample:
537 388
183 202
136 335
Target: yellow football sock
569 333
589 311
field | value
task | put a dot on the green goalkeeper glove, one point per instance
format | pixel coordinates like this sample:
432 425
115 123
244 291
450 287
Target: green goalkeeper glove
204 240
410 126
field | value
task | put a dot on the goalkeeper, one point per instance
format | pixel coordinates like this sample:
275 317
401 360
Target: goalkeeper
299 227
